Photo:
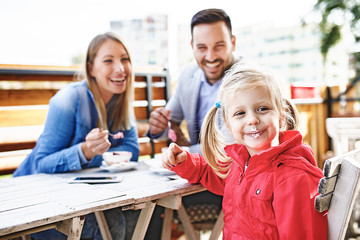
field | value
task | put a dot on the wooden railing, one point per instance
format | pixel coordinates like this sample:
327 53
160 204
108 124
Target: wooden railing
25 92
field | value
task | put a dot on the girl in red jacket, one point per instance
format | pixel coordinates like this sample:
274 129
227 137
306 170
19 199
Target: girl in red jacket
268 177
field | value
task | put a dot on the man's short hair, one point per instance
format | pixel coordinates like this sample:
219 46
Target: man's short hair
211 15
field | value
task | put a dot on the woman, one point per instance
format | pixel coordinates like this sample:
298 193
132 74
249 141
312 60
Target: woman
80 118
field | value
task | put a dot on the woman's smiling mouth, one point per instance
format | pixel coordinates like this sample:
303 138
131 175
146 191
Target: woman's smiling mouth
117 79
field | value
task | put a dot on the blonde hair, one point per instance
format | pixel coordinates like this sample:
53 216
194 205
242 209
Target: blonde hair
121 114
242 77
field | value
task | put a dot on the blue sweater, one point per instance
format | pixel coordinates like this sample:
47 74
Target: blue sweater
72 115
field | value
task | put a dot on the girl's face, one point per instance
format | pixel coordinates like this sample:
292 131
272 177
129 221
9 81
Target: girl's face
252 119
111 69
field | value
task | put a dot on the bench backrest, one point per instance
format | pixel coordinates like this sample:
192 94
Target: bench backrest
338 192
25 92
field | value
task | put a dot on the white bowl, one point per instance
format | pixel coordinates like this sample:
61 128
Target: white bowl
117 157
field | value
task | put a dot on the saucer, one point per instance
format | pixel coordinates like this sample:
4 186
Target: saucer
119 167
156 166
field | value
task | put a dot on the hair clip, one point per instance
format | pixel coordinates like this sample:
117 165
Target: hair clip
218 104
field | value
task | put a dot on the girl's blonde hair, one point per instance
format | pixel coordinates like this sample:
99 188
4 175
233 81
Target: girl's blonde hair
121 115
238 78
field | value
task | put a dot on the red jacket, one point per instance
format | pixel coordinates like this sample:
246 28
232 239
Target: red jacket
273 198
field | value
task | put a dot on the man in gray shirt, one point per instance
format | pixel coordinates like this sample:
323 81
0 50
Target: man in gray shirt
213 45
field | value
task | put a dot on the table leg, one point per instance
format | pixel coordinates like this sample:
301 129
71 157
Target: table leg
166 229
189 230
143 221
71 227
219 225
104 228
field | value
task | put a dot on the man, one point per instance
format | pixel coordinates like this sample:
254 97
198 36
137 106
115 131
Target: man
213 45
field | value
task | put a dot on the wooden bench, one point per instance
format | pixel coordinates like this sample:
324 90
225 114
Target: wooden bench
25 92
338 193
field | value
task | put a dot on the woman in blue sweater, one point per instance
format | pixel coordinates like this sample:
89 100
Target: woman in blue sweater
80 118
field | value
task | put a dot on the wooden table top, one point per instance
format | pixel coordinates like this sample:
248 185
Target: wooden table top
32 201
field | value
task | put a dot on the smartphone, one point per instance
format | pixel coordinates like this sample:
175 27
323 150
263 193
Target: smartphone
96 179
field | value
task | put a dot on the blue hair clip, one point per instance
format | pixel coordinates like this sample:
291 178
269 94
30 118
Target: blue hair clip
218 104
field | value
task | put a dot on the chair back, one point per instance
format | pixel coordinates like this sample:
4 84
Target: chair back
338 191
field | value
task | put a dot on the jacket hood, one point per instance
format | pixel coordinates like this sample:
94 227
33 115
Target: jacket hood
291 151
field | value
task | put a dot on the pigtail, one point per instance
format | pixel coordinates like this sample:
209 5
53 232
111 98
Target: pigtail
291 116
213 145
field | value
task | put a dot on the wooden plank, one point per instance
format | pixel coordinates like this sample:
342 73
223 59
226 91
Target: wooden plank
167 222
18 116
173 202
327 185
37 77
218 227
25 234
140 113
189 230
104 228
25 97
71 227
143 221
343 200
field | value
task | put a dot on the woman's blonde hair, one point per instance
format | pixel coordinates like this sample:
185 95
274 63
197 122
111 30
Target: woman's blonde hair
238 78
123 110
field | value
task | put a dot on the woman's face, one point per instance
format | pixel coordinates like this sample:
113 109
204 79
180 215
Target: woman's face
111 69
252 119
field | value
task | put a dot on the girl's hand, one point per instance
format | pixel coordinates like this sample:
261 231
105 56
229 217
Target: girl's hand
173 156
96 143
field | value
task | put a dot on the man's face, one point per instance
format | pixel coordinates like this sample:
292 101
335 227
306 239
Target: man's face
213 47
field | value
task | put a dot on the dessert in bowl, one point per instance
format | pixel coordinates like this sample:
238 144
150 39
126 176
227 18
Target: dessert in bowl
116 158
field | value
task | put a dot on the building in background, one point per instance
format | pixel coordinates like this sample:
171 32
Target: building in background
147 39
295 53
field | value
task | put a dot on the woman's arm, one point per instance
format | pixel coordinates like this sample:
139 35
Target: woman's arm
56 150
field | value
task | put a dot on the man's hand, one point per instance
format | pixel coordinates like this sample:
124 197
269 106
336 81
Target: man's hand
181 140
158 120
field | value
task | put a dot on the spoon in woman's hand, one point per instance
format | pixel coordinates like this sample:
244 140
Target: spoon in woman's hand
117 135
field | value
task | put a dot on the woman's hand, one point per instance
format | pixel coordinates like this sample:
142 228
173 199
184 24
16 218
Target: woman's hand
173 156
96 143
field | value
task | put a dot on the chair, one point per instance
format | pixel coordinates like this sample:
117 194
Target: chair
338 191
345 132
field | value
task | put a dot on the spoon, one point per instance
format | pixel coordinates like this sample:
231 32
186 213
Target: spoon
171 133
117 135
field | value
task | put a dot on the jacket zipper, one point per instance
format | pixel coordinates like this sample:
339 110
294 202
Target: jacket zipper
243 173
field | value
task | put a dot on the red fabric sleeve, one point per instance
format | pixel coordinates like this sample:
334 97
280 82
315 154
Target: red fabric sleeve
196 170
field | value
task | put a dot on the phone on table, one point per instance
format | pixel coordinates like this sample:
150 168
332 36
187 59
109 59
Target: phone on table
96 179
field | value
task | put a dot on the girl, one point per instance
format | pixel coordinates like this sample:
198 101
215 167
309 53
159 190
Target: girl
268 178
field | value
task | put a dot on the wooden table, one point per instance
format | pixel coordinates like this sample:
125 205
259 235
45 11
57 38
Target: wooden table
34 203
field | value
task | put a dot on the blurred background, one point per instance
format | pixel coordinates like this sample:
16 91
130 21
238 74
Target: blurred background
281 33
